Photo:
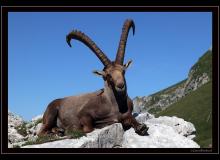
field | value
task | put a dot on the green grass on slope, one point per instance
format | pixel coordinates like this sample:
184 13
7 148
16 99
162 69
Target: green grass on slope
170 89
204 65
196 107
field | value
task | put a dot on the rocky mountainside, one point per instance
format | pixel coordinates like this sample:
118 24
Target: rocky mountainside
20 131
199 74
196 107
14 121
164 132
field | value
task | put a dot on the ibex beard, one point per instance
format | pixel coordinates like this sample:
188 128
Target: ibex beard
103 107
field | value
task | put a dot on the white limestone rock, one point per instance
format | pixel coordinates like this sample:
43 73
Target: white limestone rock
13 122
143 117
160 136
182 127
164 132
38 117
107 137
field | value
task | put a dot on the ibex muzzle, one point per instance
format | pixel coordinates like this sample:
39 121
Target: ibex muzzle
103 107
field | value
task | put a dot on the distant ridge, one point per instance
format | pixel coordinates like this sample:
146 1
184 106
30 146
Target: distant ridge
190 99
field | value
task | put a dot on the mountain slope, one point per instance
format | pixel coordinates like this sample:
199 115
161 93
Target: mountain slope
199 74
204 65
190 99
196 107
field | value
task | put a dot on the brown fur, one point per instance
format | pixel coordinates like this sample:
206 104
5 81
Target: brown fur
93 110
98 109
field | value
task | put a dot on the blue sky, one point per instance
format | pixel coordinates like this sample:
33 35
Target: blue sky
42 67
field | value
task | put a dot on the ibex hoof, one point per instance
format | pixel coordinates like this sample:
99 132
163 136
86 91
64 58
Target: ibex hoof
58 131
142 130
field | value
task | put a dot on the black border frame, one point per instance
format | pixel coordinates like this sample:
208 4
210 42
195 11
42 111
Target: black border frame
4 71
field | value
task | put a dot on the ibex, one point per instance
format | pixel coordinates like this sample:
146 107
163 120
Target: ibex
103 107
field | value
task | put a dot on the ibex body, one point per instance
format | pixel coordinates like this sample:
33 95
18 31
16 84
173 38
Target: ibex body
101 108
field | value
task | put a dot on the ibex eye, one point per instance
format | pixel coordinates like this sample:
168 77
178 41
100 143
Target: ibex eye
109 77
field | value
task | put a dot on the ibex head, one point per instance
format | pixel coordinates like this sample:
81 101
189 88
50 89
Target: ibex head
114 71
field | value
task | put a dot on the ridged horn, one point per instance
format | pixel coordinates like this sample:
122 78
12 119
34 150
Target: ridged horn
80 36
122 44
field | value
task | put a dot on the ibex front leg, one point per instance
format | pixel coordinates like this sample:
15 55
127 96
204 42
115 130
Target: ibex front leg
128 121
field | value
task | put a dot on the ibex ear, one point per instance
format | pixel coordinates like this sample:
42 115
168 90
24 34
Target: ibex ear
99 73
126 65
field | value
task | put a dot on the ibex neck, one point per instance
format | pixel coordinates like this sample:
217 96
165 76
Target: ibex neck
115 98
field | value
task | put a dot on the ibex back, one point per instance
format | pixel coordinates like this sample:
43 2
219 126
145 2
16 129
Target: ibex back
103 107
